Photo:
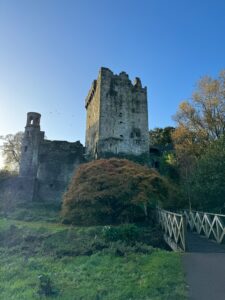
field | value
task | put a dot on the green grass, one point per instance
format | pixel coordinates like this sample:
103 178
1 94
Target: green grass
55 250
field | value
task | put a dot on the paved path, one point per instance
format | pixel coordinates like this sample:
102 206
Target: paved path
204 264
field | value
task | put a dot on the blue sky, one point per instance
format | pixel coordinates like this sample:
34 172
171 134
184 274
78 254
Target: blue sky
51 50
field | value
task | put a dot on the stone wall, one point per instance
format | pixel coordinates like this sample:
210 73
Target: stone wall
58 160
16 190
56 163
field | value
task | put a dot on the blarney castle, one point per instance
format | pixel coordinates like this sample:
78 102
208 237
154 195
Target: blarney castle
116 125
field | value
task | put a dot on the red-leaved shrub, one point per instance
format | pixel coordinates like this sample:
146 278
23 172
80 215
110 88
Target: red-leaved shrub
109 191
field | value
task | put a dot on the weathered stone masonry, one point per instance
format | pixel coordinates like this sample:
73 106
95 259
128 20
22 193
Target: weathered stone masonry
117 116
48 165
33 137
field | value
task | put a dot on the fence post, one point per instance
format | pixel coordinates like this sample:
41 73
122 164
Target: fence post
184 222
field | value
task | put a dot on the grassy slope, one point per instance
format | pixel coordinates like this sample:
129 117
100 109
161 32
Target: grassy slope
102 275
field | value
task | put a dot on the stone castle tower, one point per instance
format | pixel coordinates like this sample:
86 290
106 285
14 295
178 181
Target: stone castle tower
30 145
117 116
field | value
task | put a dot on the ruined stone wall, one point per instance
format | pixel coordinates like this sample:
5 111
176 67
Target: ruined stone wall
17 189
58 160
122 116
46 167
56 163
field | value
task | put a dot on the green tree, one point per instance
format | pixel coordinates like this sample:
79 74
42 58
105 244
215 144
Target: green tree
113 191
11 150
168 166
208 180
200 122
162 152
161 137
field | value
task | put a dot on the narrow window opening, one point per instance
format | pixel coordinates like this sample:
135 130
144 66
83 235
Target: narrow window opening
25 149
138 133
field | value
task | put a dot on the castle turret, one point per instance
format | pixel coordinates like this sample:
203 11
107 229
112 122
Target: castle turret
30 145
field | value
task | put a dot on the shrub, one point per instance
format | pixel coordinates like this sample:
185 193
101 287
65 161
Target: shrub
132 235
126 232
112 191
120 248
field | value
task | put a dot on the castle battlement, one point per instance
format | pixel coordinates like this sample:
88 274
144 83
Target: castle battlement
109 75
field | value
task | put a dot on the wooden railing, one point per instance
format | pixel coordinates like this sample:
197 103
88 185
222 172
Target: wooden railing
174 227
210 225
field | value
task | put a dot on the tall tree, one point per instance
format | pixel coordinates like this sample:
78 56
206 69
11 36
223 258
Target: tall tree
11 150
201 122
202 119
208 180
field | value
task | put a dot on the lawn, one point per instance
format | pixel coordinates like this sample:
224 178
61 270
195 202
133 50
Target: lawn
75 263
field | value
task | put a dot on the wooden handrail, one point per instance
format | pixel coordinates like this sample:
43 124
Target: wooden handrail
174 227
208 224
204 212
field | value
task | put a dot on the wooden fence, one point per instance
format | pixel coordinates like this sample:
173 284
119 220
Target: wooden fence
208 224
174 227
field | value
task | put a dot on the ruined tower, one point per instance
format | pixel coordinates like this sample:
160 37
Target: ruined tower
30 145
117 116
46 166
